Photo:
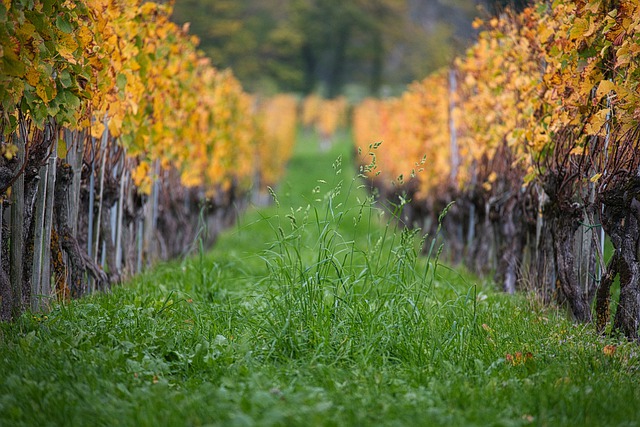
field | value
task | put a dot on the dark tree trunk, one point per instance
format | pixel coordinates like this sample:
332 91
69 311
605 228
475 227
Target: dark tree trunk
511 244
59 270
309 67
5 294
564 225
336 77
603 295
452 227
481 250
377 63
109 198
544 269
621 220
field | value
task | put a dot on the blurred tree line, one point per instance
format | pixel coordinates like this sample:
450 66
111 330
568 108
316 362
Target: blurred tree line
310 45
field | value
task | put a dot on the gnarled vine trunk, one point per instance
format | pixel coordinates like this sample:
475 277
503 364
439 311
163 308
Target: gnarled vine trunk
481 250
79 260
508 227
564 224
621 221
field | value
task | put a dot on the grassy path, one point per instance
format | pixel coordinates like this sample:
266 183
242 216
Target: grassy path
313 311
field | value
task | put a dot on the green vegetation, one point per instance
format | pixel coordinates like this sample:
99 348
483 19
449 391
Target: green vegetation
330 46
314 311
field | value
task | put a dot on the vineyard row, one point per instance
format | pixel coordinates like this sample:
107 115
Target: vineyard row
120 144
535 133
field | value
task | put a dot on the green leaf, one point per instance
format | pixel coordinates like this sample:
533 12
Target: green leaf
72 101
53 109
65 79
62 148
3 13
13 67
13 122
63 24
144 62
530 176
40 114
39 20
47 48
47 6
121 81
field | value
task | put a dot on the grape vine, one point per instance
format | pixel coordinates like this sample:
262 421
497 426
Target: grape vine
536 135
109 106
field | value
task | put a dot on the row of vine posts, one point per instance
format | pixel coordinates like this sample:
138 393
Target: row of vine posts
73 221
547 235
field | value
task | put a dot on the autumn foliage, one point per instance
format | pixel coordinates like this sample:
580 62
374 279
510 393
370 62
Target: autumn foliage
536 136
277 122
149 142
324 116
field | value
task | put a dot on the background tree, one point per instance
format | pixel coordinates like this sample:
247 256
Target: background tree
310 45
497 6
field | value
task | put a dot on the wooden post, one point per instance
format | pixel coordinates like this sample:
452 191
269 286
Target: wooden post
38 241
17 227
150 210
140 244
41 272
455 158
92 196
607 140
119 221
104 147
75 157
45 289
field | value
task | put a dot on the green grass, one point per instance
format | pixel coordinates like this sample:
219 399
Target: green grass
316 310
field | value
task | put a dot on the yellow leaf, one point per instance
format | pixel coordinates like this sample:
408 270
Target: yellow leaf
145 186
133 65
580 26
597 122
62 148
591 30
545 32
67 46
530 176
623 55
46 92
96 129
85 36
604 88
33 76
26 30
593 6
115 125
577 151
595 177
10 151
148 8
140 177
67 54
